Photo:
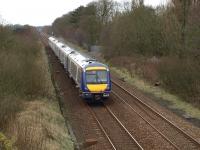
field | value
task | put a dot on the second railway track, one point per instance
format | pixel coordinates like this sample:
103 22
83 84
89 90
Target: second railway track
172 133
117 122
113 128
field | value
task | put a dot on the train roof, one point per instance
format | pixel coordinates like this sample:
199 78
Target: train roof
67 50
52 39
96 63
85 61
82 60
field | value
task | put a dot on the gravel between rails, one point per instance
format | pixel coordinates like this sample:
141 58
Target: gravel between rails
145 134
83 124
150 100
117 134
182 141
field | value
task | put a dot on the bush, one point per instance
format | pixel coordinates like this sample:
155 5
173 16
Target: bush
22 75
21 70
9 106
26 113
181 76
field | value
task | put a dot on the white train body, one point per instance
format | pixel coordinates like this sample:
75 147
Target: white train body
80 68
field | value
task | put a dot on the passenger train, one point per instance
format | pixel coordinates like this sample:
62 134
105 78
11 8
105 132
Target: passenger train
90 76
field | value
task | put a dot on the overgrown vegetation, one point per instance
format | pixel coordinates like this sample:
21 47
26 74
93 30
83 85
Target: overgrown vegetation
174 102
159 44
20 72
5 143
27 96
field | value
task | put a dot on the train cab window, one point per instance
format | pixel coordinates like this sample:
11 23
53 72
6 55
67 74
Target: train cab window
96 77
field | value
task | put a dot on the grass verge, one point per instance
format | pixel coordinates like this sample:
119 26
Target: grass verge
30 116
161 94
41 126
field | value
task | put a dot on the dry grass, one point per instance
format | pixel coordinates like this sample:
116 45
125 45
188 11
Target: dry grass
48 86
178 78
138 65
41 126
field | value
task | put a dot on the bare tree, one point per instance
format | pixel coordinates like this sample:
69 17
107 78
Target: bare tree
182 12
126 6
136 3
105 10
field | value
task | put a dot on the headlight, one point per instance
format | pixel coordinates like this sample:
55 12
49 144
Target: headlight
108 87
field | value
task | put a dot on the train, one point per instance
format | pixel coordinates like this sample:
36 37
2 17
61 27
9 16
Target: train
90 76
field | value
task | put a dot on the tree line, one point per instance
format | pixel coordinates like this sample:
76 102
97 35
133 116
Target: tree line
168 32
133 27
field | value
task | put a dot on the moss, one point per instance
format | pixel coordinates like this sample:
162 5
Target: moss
5 143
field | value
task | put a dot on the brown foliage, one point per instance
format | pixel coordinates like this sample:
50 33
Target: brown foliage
132 37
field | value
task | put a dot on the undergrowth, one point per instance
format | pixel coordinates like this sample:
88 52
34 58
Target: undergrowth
29 112
159 93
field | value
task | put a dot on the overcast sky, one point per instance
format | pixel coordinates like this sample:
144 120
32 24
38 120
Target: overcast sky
43 12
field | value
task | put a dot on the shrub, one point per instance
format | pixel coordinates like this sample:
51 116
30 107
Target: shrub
181 76
22 75
9 106
21 70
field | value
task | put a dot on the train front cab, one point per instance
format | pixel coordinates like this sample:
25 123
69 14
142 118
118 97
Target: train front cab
96 84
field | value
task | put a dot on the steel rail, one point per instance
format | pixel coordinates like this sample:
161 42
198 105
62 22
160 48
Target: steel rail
158 114
168 140
101 127
120 123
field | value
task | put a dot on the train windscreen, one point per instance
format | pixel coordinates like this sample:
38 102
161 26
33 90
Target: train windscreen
96 77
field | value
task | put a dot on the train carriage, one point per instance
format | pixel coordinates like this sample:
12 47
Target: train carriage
53 43
97 83
90 76
67 51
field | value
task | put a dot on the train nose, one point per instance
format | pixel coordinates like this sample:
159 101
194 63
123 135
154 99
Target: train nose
93 88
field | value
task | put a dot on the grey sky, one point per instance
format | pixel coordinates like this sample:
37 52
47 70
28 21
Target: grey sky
44 12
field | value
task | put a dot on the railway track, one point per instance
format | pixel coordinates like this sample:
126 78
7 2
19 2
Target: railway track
74 109
117 131
118 136
167 129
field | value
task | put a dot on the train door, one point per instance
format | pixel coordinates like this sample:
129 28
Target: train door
79 76
68 64
65 62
